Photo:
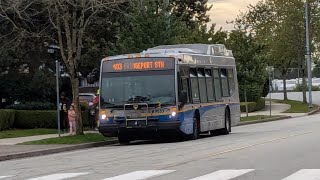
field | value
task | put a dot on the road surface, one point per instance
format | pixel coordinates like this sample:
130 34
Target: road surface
287 149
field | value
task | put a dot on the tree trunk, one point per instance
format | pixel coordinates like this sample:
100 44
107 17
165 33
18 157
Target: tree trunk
285 95
75 92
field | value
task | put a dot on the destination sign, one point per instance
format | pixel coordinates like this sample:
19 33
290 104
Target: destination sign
138 64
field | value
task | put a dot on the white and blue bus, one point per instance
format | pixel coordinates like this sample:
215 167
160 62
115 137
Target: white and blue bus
184 89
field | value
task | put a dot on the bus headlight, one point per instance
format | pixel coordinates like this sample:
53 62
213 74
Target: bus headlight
173 114
103 117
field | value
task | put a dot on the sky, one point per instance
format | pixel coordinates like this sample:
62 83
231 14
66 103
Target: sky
227 10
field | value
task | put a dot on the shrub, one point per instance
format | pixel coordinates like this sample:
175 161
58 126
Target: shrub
33 106
7 117
300 88
254 92
261 103
35 119
29 119
253 106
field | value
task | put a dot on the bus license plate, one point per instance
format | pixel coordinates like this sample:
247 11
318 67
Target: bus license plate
119 114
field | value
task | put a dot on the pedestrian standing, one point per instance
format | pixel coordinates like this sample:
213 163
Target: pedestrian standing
95 105
65 103
72 120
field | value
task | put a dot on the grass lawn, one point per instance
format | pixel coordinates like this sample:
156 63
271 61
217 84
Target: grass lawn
254 118
77 139
297 106
25 132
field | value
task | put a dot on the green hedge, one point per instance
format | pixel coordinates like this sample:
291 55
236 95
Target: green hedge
7 117
32 106
253 106
28 119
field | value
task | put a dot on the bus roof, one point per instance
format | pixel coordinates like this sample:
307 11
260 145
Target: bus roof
188 53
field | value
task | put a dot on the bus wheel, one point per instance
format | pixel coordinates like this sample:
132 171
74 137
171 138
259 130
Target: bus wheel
195 135
123 140
227 122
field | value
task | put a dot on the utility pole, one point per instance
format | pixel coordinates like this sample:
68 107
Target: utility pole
308 55
270 69
53 50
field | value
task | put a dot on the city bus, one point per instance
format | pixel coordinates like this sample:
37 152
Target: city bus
183 90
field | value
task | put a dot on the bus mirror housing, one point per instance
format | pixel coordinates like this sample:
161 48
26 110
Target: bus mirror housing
183 99
90 79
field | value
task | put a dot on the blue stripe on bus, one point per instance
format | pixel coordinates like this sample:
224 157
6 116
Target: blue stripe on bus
186 114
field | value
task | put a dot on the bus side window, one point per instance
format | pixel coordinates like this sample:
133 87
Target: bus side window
209 83
202 85
185 88
231 81
194 86
224 83
217 84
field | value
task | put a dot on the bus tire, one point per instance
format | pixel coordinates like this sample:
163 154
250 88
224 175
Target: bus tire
227 122
196 134
124 140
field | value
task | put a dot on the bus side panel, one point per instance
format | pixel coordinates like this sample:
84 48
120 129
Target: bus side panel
211 117
186 117
235 114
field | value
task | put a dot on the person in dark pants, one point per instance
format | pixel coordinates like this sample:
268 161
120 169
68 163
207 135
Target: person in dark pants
64 106
95 104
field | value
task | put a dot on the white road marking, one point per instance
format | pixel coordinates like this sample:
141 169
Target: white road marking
59 176
2 177
140 175
305 174
223 174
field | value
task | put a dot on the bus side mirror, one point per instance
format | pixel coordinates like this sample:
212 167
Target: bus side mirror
183 98
90 79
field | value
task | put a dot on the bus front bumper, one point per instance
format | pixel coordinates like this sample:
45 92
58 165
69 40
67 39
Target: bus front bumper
138 128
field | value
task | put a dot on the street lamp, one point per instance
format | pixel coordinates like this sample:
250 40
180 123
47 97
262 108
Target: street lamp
53 50
270 70
308 55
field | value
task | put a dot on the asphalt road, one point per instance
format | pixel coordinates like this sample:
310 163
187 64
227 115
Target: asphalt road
269 151
298 96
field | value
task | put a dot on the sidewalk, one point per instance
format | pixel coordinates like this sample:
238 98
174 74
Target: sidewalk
277 109
14 141
9 148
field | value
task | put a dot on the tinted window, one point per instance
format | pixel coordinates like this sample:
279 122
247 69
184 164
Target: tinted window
224 83
185 87
202 85
209 82
231 80
217 84
194 86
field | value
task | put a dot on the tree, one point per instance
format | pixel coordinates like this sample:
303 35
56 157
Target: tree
192 12
68 19
148 26
251 63
279 25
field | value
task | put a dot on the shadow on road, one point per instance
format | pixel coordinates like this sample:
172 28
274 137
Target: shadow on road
169 140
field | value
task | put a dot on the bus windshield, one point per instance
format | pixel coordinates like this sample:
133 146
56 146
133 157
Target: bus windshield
151 87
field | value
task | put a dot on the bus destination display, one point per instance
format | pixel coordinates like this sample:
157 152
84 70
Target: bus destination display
138 64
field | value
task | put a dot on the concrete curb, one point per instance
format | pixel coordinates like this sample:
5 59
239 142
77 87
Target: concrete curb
314 111
264 120
55 150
